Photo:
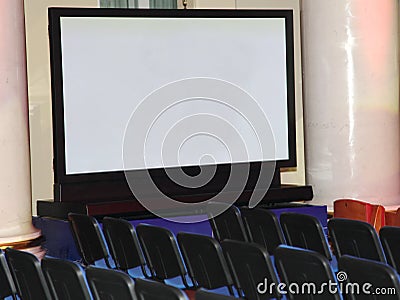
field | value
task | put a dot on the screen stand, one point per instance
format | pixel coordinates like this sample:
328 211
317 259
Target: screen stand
278 194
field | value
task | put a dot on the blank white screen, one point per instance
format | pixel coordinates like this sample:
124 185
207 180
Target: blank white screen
111 64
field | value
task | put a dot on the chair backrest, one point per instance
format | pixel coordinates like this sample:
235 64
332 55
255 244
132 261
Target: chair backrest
355 238
373 214
306 272
123 244
206 295
88 238
152 290
228 224
28 275
392 218
205 261
110 284
162 253
65 279
305 231
7 286
368 275
250 264
390 239
263 228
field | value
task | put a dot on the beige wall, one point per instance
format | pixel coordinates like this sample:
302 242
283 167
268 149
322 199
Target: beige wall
40 93
297 175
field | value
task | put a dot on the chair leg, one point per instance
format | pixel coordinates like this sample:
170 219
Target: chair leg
186 283
144 271
230 289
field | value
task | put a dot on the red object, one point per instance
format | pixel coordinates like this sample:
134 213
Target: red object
373 214
393 218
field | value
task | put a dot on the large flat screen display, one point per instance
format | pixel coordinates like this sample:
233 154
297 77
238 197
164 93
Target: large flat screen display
159 89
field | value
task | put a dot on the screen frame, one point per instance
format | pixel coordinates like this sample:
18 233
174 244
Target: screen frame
55 15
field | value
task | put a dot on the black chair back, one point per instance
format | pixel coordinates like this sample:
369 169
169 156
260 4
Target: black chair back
162 254
390 239
250 264
123 244
206 295
7 286
88 238
305 231
28 275
355 238
152 290
228 224
107 284
375 280
263 228
205 261
65 279
306 272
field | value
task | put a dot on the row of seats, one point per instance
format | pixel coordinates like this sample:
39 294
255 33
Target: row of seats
348 237
61 279
237 265
191 261
23 277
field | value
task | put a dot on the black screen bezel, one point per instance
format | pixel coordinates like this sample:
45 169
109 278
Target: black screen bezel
55 15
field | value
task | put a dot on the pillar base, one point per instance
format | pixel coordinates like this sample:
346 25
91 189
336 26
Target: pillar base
31 243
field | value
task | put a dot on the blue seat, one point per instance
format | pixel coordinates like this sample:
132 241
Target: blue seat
205 261
124 246
65 279
250 264
89 239
7 286
152 290
28 275
110 284
162 254
309 272
376 275
355 238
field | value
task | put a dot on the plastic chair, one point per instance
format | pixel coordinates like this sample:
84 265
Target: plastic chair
110 284
152 290
355 238
7 286
28 275
228 224
353 209
162 254
308 270
205 261
305 231
390 239
65 279
375 274
88 238
250 264
205 295
124 245
263 228
392 218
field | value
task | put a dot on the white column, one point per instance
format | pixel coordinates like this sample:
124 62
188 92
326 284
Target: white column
351 99
15 185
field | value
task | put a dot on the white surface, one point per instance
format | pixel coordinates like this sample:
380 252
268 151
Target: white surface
111 65
292 175
351 100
